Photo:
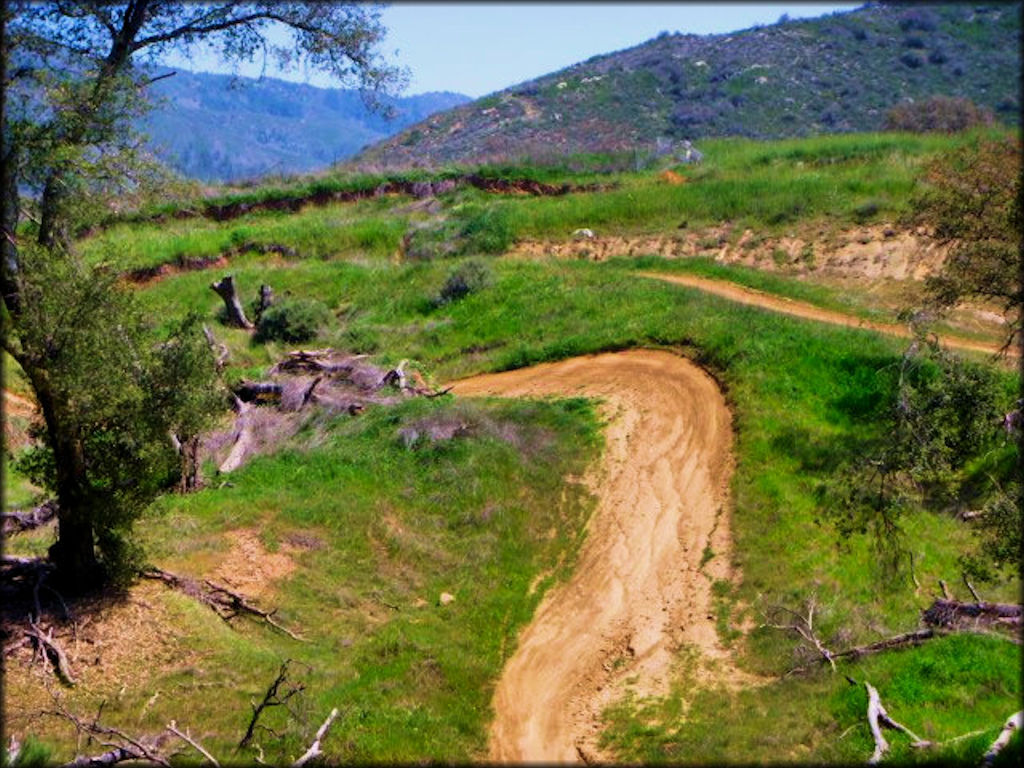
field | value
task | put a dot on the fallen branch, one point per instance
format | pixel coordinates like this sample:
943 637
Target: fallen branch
17 521
46 645
129 749
1013 723
225 603
314 748
243 439
877 717
973 591
949 613
220 351
173 728
253 391
804 627
899 641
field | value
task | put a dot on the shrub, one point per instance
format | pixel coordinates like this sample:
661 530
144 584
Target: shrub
487 231
920 19
913 41
938 56
292 320
468 277
939 114
911 59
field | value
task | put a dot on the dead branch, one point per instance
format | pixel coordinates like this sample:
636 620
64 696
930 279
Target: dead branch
877 717
945 590
255 391
952 613
129 748
314 748
173 728
46 645
225 603
17 521
1013 723
971 589
804 627
220 351
243 439
272 698
899 641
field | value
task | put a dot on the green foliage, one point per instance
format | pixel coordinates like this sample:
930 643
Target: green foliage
33 754
973 202
486 230
292 320
943 413
110 397
468 277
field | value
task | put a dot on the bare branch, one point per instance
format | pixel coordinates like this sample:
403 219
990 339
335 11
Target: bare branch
1013 723
173 728
314 748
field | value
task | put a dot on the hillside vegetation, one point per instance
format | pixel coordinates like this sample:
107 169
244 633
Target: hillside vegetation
836 74
223 128
409 542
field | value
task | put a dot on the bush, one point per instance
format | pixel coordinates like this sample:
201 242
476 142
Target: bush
911 59
938 56
920 19
293 320
487 231
468 277
939 114
913 41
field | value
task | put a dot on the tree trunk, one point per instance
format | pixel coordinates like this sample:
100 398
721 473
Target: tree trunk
74 553
227 291
266 299
191 469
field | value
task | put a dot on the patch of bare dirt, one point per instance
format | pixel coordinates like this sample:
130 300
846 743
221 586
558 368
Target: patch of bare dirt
639 592
249 567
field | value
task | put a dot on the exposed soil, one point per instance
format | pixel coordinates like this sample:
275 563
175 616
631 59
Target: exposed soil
787 306
249 567
867 252
639 591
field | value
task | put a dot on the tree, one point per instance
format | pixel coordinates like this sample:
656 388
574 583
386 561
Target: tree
973 203
73 76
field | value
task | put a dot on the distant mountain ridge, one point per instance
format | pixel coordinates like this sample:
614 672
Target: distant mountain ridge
837 73
221 128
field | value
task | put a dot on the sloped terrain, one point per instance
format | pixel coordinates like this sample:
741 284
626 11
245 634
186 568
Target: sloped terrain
839 73
223 128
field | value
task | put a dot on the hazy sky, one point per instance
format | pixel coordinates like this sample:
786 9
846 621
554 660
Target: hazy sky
478 48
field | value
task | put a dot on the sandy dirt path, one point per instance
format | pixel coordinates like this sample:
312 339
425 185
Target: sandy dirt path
639 590
756 298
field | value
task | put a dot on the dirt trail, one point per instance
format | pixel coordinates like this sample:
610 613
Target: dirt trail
756 298
639 590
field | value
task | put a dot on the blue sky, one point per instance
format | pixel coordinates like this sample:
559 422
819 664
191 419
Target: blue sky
478 48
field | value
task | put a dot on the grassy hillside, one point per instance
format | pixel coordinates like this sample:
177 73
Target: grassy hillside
354 534
836 74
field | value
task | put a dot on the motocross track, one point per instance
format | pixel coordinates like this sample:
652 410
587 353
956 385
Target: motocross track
639 590
756 298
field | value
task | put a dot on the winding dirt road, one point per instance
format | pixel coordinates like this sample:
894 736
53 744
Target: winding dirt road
639 590
753 297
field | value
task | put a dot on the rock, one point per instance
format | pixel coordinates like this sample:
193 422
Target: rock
446 598
583 234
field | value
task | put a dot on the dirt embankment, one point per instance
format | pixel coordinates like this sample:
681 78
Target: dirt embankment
641 588
866 252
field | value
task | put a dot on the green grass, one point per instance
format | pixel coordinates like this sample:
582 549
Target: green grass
942 690
384 530
398 525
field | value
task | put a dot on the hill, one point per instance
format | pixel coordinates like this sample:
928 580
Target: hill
221 128
835 74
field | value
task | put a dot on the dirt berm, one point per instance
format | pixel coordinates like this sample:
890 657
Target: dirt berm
639 590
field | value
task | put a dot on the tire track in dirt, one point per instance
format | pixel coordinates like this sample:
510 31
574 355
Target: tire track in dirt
755 298
639 590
